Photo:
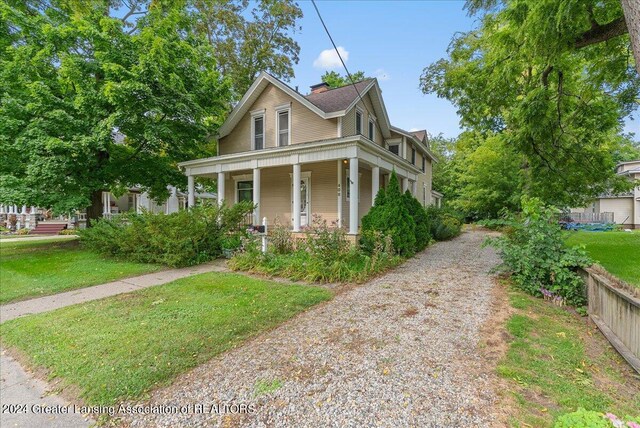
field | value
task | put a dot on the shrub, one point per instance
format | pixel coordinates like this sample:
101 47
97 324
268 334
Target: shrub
423 225
444 224
280 238
589 419
183 238
325 256
533 251
390 216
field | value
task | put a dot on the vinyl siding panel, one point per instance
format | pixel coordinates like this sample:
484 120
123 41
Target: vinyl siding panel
349 120
305 124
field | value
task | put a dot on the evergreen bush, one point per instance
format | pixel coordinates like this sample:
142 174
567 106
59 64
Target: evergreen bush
390 216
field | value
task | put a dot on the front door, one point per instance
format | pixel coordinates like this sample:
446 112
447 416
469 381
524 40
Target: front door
305 201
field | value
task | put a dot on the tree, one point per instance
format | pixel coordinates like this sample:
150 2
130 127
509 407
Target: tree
336 80
92 103
555 78
244 46
390 217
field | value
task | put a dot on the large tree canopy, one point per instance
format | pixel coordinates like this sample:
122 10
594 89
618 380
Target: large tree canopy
555 79
90 102
336 80
249 38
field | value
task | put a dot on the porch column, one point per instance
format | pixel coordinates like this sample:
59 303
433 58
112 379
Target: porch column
405 184
24 210
353 196
220 188
256 195
375 183
191 191
414 188
340 190
296 197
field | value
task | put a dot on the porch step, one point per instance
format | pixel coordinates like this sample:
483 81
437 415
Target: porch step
48 229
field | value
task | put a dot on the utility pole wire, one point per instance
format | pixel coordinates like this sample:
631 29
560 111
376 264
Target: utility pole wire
345 68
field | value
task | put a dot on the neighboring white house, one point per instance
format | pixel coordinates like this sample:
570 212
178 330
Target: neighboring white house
623 209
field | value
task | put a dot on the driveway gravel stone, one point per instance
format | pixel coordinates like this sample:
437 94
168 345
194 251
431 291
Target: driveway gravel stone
398 351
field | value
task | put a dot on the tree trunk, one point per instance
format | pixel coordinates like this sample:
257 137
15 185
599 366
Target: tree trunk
631 9
94 211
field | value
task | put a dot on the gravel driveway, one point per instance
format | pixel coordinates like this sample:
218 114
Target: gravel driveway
400 350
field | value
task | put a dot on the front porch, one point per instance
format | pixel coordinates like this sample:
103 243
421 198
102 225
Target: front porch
336 179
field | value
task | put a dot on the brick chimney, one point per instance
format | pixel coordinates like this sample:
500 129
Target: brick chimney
319 88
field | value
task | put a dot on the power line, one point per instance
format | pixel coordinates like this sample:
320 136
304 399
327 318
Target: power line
345 67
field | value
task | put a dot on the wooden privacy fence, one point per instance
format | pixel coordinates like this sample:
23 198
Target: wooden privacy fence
614 307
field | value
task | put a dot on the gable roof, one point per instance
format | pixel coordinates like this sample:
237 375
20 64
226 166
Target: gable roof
420 135
339 99
328 104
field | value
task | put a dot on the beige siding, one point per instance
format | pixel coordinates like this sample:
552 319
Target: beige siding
349 120
276 189
305 124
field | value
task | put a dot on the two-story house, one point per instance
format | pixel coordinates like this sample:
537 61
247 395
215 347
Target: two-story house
324 153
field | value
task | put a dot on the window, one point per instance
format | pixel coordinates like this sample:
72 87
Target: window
413 155
424 163
358 122
258 132
283 127
395 149
372 133
244 191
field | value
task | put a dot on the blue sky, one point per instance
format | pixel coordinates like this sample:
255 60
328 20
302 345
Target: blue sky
394 41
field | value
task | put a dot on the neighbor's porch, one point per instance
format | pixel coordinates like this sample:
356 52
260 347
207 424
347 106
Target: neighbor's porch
335 179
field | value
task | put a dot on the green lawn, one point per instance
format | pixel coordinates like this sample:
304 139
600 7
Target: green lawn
37 268
120 347
618 252
556 362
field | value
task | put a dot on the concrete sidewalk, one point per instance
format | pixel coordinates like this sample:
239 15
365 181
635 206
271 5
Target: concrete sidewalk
19 388
41 238
49 303
27 396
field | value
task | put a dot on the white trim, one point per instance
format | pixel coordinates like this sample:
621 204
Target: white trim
259 84
304 176
242 177
281 109
255 115
237 180
371 127
339 133
339 191
355 117
348 193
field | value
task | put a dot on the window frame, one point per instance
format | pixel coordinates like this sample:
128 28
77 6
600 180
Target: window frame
279 110
424 163
372 129
258 114
360 122
413 155
394 145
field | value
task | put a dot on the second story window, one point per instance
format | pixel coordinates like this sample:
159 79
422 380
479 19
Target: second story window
424 163
358 123
372 130
283 127
413 155
258 132
395 149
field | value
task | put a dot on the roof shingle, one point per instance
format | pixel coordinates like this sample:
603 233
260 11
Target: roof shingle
338 99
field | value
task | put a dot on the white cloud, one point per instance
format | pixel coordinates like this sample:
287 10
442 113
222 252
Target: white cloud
382 75
414 130
328 58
